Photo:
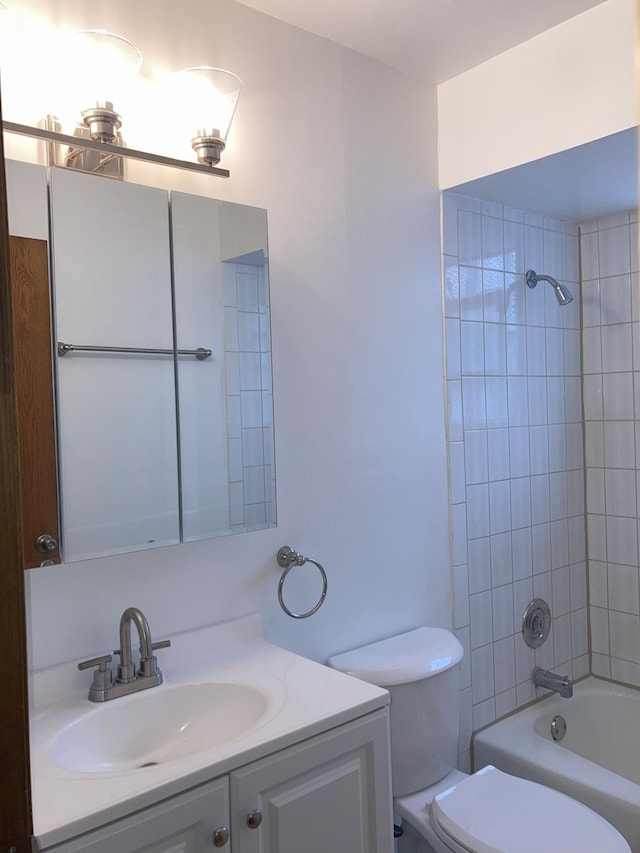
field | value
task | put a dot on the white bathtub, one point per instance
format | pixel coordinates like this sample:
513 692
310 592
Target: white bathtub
597 762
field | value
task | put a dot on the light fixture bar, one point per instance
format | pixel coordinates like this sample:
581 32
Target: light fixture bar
108 148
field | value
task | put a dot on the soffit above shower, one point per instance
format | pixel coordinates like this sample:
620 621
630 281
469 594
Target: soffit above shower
431 39
582 183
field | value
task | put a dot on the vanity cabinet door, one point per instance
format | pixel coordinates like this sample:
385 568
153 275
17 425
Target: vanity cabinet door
330 793
192 822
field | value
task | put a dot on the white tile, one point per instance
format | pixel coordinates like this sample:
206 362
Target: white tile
533 246
464 667
578 585
250 371
541 544
469 238
555 399
599 630
482 679
575 492
513 234
505 702
589 256
457 480
622 540
539 449
620 486
601 665
470 286
459 533
635 296
480 619
561 600
454 410
537 389
559 545
536 351
518 400
519 456
597 537
617 395
614 250
254 485
624 631
558 495
522 596
475 456
572 348
248 331
501 559
497 401
627 671
570 258
504 663
461 596
580 666
557 434
590 293
495 356
594 443
247 291
552 250
449 223
540 499
619 444
479 564
513 214
466 202
595 491
484 713
465 724
562 640
252 447
498 449
500 506
236 504
492 243
554 342
573 399
577 537
255 515
477 511
473 402
235 460
492 208
612 220
502 602
592 349
472 348
525 692
592 387
622 583
525 661
451 286
522 553
251 409
615 300
516 344
520 503
616 347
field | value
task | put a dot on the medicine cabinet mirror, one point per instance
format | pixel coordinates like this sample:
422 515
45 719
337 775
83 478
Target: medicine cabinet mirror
162 349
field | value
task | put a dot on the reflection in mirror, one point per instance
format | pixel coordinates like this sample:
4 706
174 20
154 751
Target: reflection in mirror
157 448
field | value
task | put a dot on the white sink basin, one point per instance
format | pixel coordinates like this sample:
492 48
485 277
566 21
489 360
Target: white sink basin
160 725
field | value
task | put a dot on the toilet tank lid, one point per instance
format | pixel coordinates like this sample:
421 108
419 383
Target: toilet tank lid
408 657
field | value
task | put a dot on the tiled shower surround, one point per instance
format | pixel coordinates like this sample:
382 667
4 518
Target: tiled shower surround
543 422
515 448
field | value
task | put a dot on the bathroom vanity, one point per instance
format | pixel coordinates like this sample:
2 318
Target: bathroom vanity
244 747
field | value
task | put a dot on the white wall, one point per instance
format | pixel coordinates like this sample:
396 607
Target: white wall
570 85
357 348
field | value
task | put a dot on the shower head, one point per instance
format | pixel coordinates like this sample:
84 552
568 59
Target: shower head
563 294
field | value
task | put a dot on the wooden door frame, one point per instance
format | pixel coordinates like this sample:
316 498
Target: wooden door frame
16 826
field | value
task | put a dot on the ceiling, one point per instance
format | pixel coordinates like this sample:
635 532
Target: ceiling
430 39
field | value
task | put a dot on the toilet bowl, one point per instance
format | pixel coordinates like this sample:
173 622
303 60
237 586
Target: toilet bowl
452 812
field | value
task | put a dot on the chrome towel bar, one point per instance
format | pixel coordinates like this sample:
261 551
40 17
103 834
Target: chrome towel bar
201 353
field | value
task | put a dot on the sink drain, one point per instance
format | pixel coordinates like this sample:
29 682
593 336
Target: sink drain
148 764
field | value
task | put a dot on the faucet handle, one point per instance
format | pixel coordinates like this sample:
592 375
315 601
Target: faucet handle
161 644
102 677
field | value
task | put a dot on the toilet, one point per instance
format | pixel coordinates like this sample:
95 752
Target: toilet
449 811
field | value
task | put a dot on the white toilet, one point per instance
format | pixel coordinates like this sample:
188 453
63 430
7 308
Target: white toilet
452 812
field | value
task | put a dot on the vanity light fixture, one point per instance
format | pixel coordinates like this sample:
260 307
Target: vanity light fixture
206 100
94 68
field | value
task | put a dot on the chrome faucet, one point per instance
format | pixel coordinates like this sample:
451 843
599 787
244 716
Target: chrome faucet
561 684
127 680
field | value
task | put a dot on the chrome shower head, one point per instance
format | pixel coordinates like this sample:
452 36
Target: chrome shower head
563 294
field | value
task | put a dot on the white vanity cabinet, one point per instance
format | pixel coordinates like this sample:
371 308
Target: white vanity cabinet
328 794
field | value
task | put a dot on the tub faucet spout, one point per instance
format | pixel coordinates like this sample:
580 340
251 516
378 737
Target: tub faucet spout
561 684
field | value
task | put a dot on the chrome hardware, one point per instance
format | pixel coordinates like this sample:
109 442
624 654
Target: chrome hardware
561 684
200 353
254 819
536 623
45 543
220 836
288 558
128 680
558 727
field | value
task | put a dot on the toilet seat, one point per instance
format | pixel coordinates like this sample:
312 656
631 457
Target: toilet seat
494 812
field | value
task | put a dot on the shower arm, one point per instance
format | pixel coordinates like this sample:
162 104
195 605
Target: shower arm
533 278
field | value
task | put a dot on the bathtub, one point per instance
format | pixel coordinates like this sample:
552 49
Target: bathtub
598 760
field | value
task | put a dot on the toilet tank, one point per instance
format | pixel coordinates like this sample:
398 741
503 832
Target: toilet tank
419 669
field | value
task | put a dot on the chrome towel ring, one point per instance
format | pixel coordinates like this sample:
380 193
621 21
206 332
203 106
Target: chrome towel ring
287 559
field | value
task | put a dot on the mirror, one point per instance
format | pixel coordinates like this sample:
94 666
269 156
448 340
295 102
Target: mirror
163 371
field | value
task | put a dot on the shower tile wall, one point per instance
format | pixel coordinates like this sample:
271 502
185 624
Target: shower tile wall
515 448
611 364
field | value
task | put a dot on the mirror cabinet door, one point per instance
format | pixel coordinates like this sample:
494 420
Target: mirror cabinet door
116 411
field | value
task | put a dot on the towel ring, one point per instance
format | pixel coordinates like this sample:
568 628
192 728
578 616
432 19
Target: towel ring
287 559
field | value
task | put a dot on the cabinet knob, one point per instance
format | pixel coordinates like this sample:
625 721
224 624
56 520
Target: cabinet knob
45 543
254 819
220 836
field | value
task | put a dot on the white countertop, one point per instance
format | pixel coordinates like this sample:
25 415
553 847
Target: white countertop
306 698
